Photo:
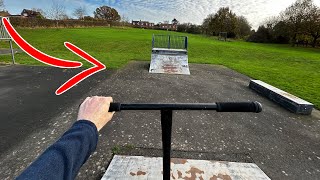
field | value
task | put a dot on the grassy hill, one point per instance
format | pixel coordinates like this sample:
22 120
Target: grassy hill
296 70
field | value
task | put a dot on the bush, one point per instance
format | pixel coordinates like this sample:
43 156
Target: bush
48 23
282 39
189 28
263 35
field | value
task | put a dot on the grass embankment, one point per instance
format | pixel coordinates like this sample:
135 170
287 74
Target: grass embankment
296 70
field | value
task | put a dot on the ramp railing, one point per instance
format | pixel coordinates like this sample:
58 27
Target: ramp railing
166 119
4 36
170 42
3 32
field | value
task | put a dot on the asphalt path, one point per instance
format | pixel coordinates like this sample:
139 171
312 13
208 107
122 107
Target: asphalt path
28 100
284 145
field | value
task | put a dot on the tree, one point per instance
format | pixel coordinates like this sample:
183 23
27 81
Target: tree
107 13
175 21
206 25
88 18
294 16
243 27
2 7
80 12
281 33
182 27
312 23
226 21
298 24
64 17
125 21
57 10
263 35
42 14
189 28
194 29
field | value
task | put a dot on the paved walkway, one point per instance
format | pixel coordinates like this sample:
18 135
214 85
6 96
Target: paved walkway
282 144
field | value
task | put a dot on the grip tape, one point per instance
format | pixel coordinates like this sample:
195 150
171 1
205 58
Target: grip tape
239 107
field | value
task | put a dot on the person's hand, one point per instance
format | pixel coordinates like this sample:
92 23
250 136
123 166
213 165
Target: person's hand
96 110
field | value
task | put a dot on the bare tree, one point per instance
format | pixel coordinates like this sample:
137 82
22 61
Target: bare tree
57 10
80 12
124 20
271 22
2 7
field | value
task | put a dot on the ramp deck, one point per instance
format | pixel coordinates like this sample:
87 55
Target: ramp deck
169 55
169 64
139 167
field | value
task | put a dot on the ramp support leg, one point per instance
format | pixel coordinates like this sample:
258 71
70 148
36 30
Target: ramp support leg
153 41
186 43
166 126
12 52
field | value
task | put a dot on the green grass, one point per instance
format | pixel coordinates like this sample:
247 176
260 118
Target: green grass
117 149
296 70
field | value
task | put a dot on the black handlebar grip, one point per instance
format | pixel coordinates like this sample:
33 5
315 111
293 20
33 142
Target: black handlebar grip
239 107
115 107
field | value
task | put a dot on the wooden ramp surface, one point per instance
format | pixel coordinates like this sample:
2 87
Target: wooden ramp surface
138 167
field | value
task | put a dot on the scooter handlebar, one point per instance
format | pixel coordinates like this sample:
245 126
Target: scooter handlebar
219 107
115 107
239 107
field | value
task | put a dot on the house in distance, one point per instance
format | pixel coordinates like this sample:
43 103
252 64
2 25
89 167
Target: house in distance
142 24
31 14
161 25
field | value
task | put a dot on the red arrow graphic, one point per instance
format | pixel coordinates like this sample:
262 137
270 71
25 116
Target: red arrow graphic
98 66
35 53
56 62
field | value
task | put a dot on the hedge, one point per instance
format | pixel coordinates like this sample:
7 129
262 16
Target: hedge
48 23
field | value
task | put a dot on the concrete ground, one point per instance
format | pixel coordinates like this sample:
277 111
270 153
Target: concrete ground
282 144
8 51
28 101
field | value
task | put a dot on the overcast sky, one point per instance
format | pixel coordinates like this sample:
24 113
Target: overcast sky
192 11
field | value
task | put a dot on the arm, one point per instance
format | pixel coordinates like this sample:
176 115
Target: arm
64 158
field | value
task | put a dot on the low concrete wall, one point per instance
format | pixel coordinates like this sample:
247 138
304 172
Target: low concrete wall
286 100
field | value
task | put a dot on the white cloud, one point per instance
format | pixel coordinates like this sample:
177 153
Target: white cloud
159 10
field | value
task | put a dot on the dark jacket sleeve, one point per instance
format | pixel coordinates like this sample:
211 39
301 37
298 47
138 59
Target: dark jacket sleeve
64 158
